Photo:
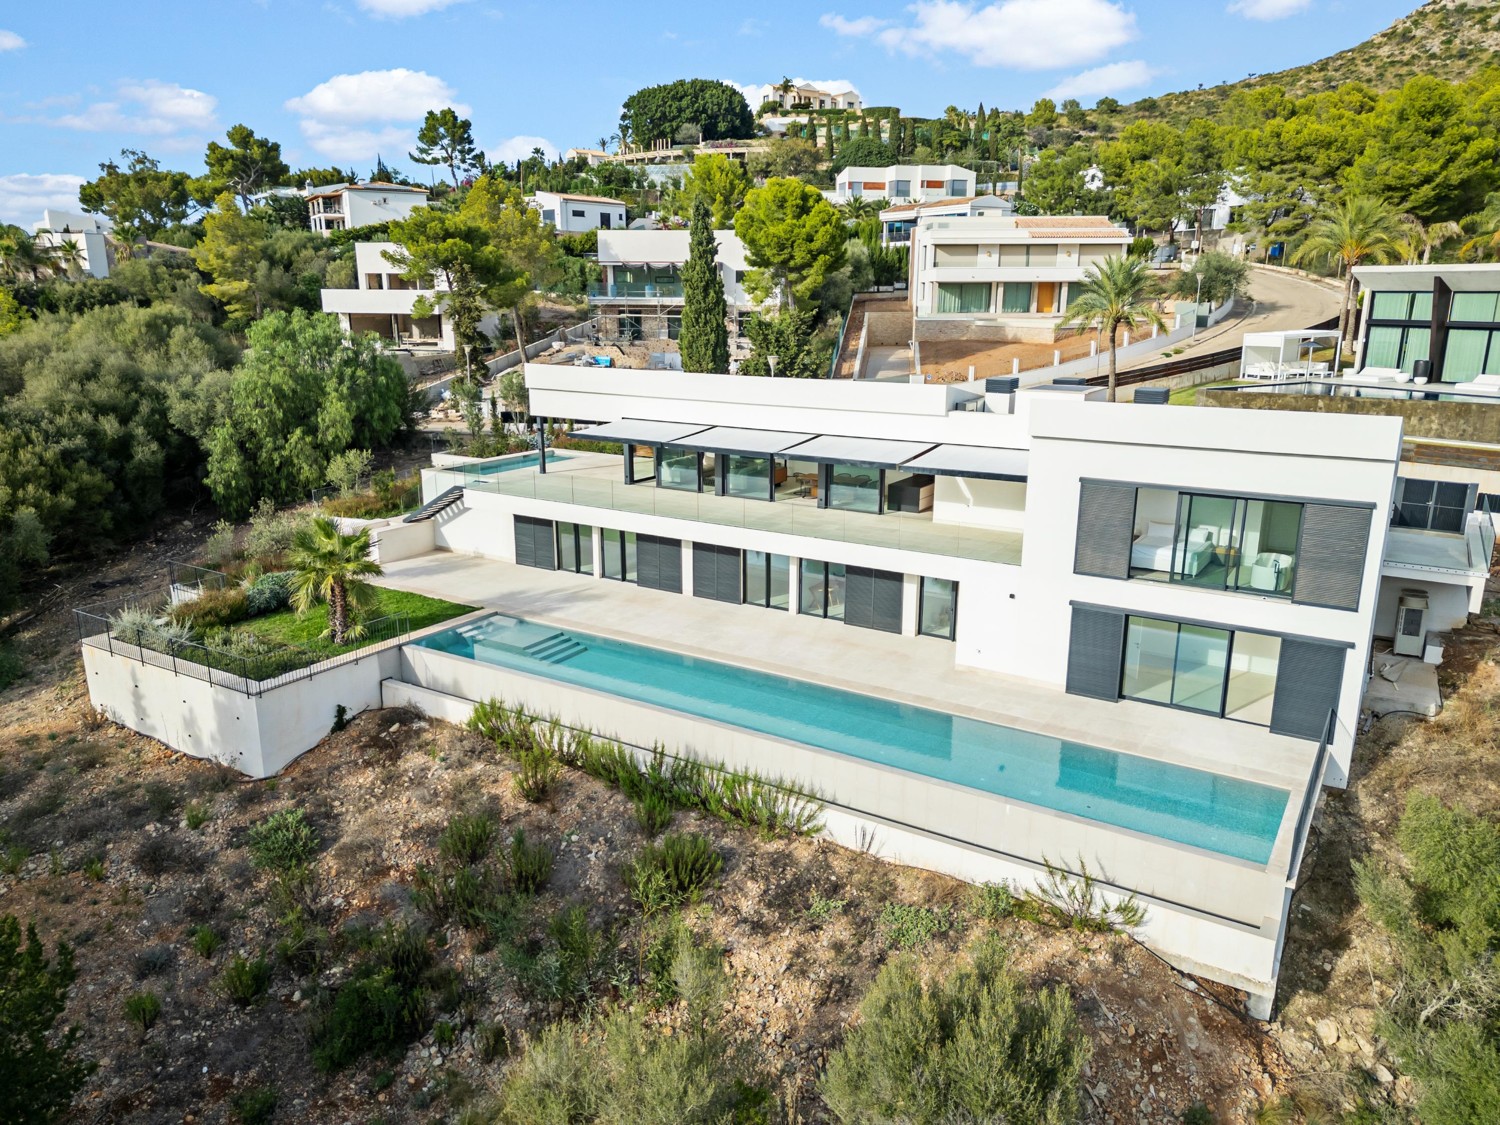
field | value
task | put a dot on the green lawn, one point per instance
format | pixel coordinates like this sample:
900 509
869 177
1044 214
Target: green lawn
304 632
1188 396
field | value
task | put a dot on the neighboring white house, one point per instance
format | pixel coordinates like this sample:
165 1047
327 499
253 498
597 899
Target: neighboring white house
1005 277
86 232
904 183
573 214
897 222
383 303
1175 605
640 296
803 96
348 206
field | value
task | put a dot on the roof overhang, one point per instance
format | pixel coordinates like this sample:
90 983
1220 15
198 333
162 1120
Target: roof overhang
973 461
637 431
758 443
880 453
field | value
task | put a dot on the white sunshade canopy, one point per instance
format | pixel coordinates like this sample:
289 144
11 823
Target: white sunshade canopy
972 461
638 431
760 443
880 452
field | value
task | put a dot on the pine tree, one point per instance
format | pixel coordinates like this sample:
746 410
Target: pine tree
705 338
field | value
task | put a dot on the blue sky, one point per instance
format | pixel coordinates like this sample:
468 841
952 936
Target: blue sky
338 81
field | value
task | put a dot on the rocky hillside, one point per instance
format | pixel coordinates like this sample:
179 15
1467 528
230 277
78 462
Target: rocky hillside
1449 39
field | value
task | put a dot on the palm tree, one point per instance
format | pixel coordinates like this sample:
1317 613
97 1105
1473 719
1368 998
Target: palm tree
1358 228
69 255
329 566
858 208
1419 239
1486 225
1116 293
21 259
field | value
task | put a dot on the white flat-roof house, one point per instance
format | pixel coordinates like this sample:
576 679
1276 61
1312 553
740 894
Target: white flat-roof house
383 303
86 232
640 296
904 183
347 206
573 214
1005 627
899 220
802 96
1001 276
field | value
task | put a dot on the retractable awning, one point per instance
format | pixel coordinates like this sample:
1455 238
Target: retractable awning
881 453
972 461
755 443
637 431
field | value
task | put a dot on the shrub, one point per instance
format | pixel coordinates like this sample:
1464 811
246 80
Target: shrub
38 1073
142 1009
527 866
255 1106
675 870
906 927
1197 1114
653 813
245 981
196 814
14 858
206 941
464 895
492 1042
992 902
213 609
94 868
12 666
382 1007
820 909
539 769
161 800
1074 902
574 959
268 592
467 839
345 469
218 548
154 960
283 841
977 1045
159 854
271 532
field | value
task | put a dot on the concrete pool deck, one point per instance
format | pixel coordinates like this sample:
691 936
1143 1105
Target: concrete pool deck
916 670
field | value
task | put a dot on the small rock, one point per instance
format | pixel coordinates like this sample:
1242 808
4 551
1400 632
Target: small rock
1328 1031
1383 1075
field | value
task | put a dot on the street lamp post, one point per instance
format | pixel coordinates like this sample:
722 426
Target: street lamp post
1197 298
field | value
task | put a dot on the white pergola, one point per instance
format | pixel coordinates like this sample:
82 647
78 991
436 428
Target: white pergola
1278 356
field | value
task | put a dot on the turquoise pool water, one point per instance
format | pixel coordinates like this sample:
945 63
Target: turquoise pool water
1207 810
524 461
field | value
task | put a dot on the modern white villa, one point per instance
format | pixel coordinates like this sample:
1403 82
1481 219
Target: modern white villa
384 300
1000 276
86 232
904 183
348 206
801 96
574 214
640 297
899 220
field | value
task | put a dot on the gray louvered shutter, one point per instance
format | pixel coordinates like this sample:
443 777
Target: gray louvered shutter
525 542
1331 555
859 597
1106 526
669 562
1308 678
647 569
885 608
1096 645
536 543
728 564
716 572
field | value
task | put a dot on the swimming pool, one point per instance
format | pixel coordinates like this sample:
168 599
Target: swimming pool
508 464
1207 810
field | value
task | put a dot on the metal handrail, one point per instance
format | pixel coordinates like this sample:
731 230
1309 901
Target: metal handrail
1310 798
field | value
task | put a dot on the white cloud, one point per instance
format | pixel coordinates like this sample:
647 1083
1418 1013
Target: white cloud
752 27
151 106
512 149
24 197
402 9
1268 9
10 41
858 28
1108 79
1020 34
355 116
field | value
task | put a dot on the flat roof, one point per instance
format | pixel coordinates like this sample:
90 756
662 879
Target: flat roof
728 439
638 431
976 461
879 452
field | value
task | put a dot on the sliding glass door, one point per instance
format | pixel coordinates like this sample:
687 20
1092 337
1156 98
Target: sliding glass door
1200 668
1236 543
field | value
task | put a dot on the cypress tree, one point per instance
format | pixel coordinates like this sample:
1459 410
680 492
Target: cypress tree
704 341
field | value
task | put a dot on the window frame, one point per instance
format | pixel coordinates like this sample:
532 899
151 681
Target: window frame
583 546
922 605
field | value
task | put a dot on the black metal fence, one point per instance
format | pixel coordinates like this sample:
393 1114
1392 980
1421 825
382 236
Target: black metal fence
1174 367
139 627
1310 798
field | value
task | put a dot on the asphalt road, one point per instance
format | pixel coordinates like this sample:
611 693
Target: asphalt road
1278 302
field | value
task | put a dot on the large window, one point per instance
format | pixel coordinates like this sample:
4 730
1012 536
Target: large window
749 477
821 590
1400 331
1470 352
963 297
899 189
619 554
1402 306
1200 668
1216 542
575 547
680 469
854 488
768 580
1016 297
1432 505
937 611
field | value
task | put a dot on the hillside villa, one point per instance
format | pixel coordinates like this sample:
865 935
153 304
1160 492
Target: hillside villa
904 183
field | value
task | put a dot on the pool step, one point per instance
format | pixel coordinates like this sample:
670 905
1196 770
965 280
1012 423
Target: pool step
555 649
